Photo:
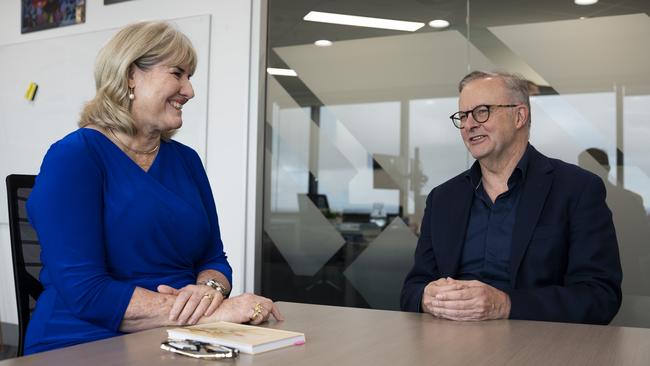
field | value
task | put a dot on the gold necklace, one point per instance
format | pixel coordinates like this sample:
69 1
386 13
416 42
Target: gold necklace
134 150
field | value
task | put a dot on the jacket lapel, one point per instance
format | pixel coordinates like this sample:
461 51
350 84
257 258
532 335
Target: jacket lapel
533 196
453 228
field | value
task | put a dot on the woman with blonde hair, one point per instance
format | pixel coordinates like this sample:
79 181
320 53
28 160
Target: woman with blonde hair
125 215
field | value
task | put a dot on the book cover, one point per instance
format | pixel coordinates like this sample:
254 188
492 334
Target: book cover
246 338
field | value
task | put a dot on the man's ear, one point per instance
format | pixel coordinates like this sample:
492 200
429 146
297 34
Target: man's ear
522 116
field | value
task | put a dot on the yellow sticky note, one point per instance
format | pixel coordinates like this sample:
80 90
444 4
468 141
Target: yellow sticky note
31 91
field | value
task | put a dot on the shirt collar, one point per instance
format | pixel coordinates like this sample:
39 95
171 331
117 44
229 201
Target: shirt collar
474 174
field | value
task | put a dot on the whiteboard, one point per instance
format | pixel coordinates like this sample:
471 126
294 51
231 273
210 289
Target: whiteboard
63 69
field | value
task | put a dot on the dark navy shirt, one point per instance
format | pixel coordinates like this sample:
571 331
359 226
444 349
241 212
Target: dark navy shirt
486 254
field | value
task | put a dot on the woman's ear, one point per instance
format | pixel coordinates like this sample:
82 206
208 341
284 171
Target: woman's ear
131 79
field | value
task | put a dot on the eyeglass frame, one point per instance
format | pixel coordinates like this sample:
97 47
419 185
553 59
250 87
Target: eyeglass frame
200 350
460 125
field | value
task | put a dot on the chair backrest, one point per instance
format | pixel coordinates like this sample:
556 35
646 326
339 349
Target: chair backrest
25 250
320 200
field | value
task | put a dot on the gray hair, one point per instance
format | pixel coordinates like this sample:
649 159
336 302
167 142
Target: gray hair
517 85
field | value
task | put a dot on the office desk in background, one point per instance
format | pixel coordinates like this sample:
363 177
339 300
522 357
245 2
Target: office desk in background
339 336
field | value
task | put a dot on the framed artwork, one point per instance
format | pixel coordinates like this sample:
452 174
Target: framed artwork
38 15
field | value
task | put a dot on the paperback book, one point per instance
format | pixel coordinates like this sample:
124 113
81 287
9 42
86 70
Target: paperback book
246 338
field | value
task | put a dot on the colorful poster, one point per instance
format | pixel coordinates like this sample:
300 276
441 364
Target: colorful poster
45 14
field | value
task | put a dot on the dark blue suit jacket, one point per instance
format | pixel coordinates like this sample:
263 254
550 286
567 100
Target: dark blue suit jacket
564 263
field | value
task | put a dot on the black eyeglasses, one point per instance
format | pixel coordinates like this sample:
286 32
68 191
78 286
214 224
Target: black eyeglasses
480 114
201 350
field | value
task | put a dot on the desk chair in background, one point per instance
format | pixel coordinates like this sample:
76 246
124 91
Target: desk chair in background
320 201
25 250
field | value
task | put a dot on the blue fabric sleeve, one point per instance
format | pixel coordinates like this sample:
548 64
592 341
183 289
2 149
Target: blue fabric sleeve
66 208
215 257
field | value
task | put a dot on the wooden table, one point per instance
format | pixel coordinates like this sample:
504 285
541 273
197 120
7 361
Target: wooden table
338 336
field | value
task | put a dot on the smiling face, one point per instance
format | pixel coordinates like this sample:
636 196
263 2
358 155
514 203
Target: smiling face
160 93
496 138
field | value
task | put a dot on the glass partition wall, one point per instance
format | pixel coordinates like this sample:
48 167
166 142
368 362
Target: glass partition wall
357 130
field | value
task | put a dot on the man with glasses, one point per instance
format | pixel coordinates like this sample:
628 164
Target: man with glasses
518 235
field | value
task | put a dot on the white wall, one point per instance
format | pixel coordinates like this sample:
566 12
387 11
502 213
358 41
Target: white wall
232 119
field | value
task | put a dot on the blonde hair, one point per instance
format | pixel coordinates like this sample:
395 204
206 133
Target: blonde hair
142 45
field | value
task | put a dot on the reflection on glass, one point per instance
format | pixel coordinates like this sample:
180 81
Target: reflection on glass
345 126
356 142
378 272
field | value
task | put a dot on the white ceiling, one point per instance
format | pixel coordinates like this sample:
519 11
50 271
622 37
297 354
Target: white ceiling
535 38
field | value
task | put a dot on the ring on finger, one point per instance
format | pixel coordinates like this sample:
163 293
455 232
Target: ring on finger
208 295
257 310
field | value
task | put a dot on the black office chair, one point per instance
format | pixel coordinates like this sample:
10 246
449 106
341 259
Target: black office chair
25 250
320 200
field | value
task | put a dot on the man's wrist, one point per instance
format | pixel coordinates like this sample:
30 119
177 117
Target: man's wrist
506 306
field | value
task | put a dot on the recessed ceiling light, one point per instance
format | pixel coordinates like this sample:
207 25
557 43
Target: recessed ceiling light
439 24
323 43
317 16
582 18
585 2
282 72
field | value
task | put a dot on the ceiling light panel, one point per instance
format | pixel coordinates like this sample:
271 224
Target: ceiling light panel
358 21
585 2
323 43
281 72
439 24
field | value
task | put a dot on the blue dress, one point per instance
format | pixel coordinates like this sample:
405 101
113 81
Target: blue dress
107 226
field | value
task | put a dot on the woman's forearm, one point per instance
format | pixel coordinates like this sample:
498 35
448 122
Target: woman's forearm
147 310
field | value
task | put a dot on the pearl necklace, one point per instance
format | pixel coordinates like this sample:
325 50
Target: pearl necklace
134 150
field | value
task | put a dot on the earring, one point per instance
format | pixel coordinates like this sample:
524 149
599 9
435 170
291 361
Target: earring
131 95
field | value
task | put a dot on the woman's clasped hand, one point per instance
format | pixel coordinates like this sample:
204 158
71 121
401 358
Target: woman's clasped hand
201 303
